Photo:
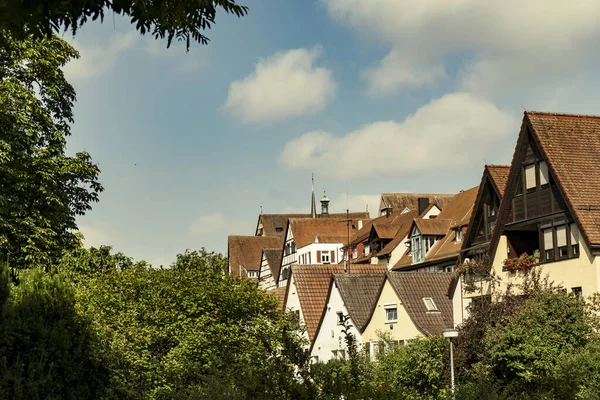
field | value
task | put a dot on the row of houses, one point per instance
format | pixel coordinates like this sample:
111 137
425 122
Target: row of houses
393 274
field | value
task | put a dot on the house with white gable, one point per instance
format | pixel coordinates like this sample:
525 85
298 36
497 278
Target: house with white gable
316 240
350 303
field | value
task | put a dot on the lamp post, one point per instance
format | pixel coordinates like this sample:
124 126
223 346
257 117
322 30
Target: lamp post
450 334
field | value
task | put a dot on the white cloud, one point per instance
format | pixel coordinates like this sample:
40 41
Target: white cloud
454 130
502 43
283 86
96 60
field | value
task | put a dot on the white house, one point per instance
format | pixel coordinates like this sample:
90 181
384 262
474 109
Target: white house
350 302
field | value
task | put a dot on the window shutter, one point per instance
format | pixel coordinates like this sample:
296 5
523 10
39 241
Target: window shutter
318 256
561 236
530 176
548 240
574 234
332 257
544 177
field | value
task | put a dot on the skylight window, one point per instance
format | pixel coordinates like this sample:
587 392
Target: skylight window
430 304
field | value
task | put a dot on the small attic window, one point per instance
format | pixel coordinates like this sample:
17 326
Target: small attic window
429 303
279 229
353 227
459 235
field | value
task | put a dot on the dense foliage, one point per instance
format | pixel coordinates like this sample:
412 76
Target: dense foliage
42 190
174 19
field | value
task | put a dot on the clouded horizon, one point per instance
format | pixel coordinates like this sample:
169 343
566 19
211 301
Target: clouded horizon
377 96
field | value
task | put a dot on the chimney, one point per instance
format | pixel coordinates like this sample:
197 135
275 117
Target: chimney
423 204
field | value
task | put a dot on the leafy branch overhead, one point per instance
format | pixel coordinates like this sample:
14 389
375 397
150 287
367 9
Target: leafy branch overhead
172 19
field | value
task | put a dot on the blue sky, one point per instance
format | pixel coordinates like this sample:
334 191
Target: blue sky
376 96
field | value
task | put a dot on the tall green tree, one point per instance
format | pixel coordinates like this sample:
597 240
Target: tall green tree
42 190
172 19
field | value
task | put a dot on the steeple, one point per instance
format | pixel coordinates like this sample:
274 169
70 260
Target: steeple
313 204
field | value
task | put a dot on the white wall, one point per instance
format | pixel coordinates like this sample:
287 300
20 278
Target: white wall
314 247
433 212
459 304
330 336
292 303
266 280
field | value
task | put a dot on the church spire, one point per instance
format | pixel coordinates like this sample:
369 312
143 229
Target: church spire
313 204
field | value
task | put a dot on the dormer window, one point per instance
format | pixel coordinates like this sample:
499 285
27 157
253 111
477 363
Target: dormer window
430 304
459 235
416 246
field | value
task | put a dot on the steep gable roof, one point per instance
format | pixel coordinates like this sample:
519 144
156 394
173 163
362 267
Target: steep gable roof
404 224
412 287
274 257
400 201
360 294
571 146
312 286
245 252
499 175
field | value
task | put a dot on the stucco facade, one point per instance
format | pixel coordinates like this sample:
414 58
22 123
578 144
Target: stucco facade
330 340
401 330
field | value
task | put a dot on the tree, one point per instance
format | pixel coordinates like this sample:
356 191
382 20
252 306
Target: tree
173 19
46 346
42 189
190 331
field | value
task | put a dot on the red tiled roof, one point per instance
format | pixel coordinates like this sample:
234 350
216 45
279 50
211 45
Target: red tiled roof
400 201
276 224
499 175
326 230
571 146
312 287
435 226
245 252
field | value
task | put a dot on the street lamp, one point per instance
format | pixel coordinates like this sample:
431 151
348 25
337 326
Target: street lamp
450 334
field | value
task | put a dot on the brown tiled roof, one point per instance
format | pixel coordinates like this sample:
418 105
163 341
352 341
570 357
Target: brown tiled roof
306 230
387 227
279 294
458 211
360 294
245 252
403 223
274 257
435 226
312 286
499 175
412 287
271 222
571 146
400 201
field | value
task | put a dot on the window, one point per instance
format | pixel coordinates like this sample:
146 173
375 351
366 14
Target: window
416 246
391 312
544 177
367 250
561 241
293 247
548 244
530 176
309 260
574 239
279 229
577 291
429 303
325 257
252 274
340 318
459 235
284 274
341 354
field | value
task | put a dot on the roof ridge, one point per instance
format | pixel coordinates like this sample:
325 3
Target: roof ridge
556 114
